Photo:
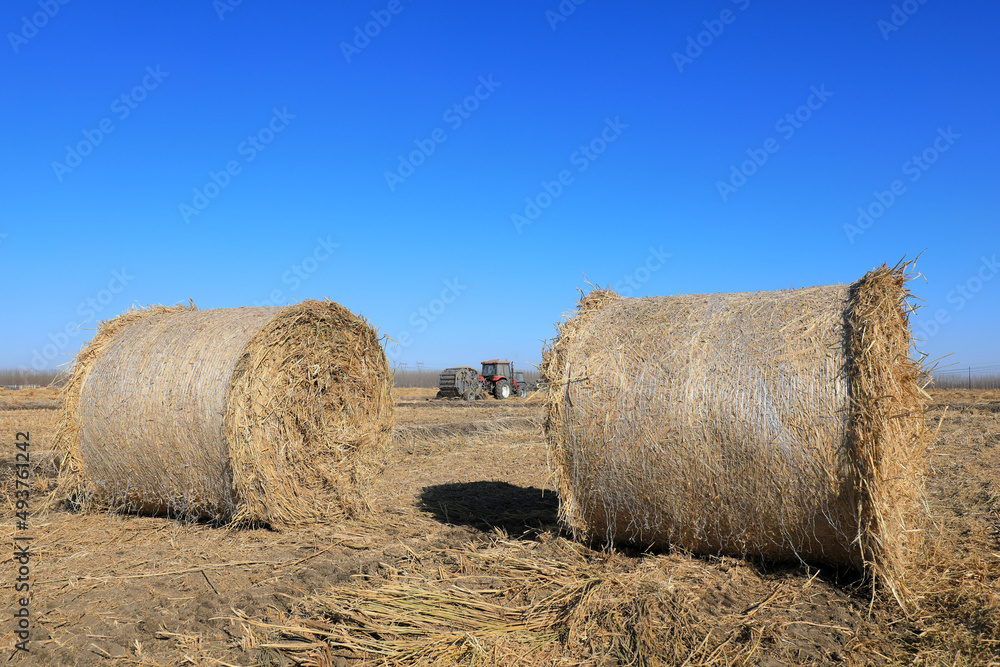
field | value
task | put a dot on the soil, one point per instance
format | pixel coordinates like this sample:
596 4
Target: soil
469 483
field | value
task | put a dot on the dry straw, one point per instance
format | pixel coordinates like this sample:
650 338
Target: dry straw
784 425
269 415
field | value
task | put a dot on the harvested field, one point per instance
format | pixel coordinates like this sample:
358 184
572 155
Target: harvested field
465 564
29 399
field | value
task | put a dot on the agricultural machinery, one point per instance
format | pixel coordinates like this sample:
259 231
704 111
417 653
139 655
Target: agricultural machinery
496 377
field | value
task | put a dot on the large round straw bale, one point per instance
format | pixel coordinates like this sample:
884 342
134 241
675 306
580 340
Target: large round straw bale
270 415
783 425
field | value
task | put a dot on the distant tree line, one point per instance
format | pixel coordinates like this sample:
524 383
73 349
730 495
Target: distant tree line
981 377
17 378
972 377
407 376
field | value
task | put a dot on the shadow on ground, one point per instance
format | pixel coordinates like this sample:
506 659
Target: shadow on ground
488 505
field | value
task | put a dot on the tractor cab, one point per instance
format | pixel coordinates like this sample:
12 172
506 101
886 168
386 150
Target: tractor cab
495 369
498 378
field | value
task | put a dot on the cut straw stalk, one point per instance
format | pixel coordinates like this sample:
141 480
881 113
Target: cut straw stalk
784 425
272 415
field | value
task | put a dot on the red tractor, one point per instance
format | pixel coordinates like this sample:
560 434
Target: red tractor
497 377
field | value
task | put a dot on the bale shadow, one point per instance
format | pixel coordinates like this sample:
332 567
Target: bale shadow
485 506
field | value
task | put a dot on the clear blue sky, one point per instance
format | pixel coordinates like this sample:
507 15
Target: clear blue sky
483 161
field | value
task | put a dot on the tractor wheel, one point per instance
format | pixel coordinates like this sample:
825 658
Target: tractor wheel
501 390
470 395
522 390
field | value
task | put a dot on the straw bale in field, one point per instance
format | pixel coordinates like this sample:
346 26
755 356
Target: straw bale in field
784 425
270 415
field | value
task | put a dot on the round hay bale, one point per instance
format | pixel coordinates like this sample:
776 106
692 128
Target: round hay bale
784 425
262 415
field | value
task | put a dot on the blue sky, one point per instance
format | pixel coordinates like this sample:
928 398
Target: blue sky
458 172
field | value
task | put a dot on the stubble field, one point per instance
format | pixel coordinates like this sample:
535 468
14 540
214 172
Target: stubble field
463 562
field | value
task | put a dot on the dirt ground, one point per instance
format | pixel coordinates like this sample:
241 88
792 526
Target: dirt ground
463 562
